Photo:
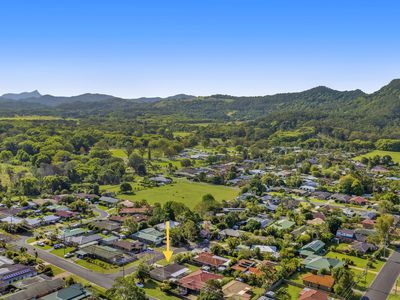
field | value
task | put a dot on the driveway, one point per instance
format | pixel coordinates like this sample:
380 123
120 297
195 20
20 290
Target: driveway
384 282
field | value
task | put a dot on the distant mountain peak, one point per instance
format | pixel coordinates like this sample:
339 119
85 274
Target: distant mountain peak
22 96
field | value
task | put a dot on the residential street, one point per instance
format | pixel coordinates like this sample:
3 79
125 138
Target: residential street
383 283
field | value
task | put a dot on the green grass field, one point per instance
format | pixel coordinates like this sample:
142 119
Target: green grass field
189 193
395 155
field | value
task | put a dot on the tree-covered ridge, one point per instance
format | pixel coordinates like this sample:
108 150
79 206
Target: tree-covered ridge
374 115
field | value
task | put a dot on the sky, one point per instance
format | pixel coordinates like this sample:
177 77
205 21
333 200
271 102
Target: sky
161 48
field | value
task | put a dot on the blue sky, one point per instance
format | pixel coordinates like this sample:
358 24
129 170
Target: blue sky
160 48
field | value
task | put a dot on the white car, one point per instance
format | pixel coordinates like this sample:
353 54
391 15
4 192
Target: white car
141 285
41 244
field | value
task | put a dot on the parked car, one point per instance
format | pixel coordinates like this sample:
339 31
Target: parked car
68 255
141 285
41 244
59 246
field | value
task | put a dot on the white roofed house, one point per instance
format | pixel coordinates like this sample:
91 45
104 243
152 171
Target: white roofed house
267 249
108 201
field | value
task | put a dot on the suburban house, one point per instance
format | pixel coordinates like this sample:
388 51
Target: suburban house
73 292
196 281
341 198
283 224
108 201
82 240
105 225
211 260
243 265
71 232
172 224
105 253
314 247
362 247
322 282
10 274
359 200
134 210
38 290
132 247
160 180
317 263
345 235
237 290
171 271
310 294
368 224
267 249
149 236
225 233
65 214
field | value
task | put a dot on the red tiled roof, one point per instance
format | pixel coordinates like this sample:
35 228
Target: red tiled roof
254 270
210 259
134 210
64 214
323 280
197 280
310 294
359 200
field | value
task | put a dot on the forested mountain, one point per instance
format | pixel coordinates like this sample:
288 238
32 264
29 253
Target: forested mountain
354 110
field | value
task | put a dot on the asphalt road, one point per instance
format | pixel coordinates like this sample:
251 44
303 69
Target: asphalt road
383 283
104 280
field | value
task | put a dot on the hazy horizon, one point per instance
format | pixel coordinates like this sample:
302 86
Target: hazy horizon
159 49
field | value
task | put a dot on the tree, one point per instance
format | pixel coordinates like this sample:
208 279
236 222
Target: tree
212 291
333 224
142 272
186 162
131 225
125 288
29 186
136 162
207 204
344 279
125 188
383 225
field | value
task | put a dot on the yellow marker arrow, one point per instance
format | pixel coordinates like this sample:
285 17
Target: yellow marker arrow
167 253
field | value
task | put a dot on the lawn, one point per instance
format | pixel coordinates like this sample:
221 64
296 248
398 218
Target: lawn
45 247
394 297
57 270
395 155
293 291
99 267
152 289
192 268
84 282
358 261
60 252
365 281
182 190
31 240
